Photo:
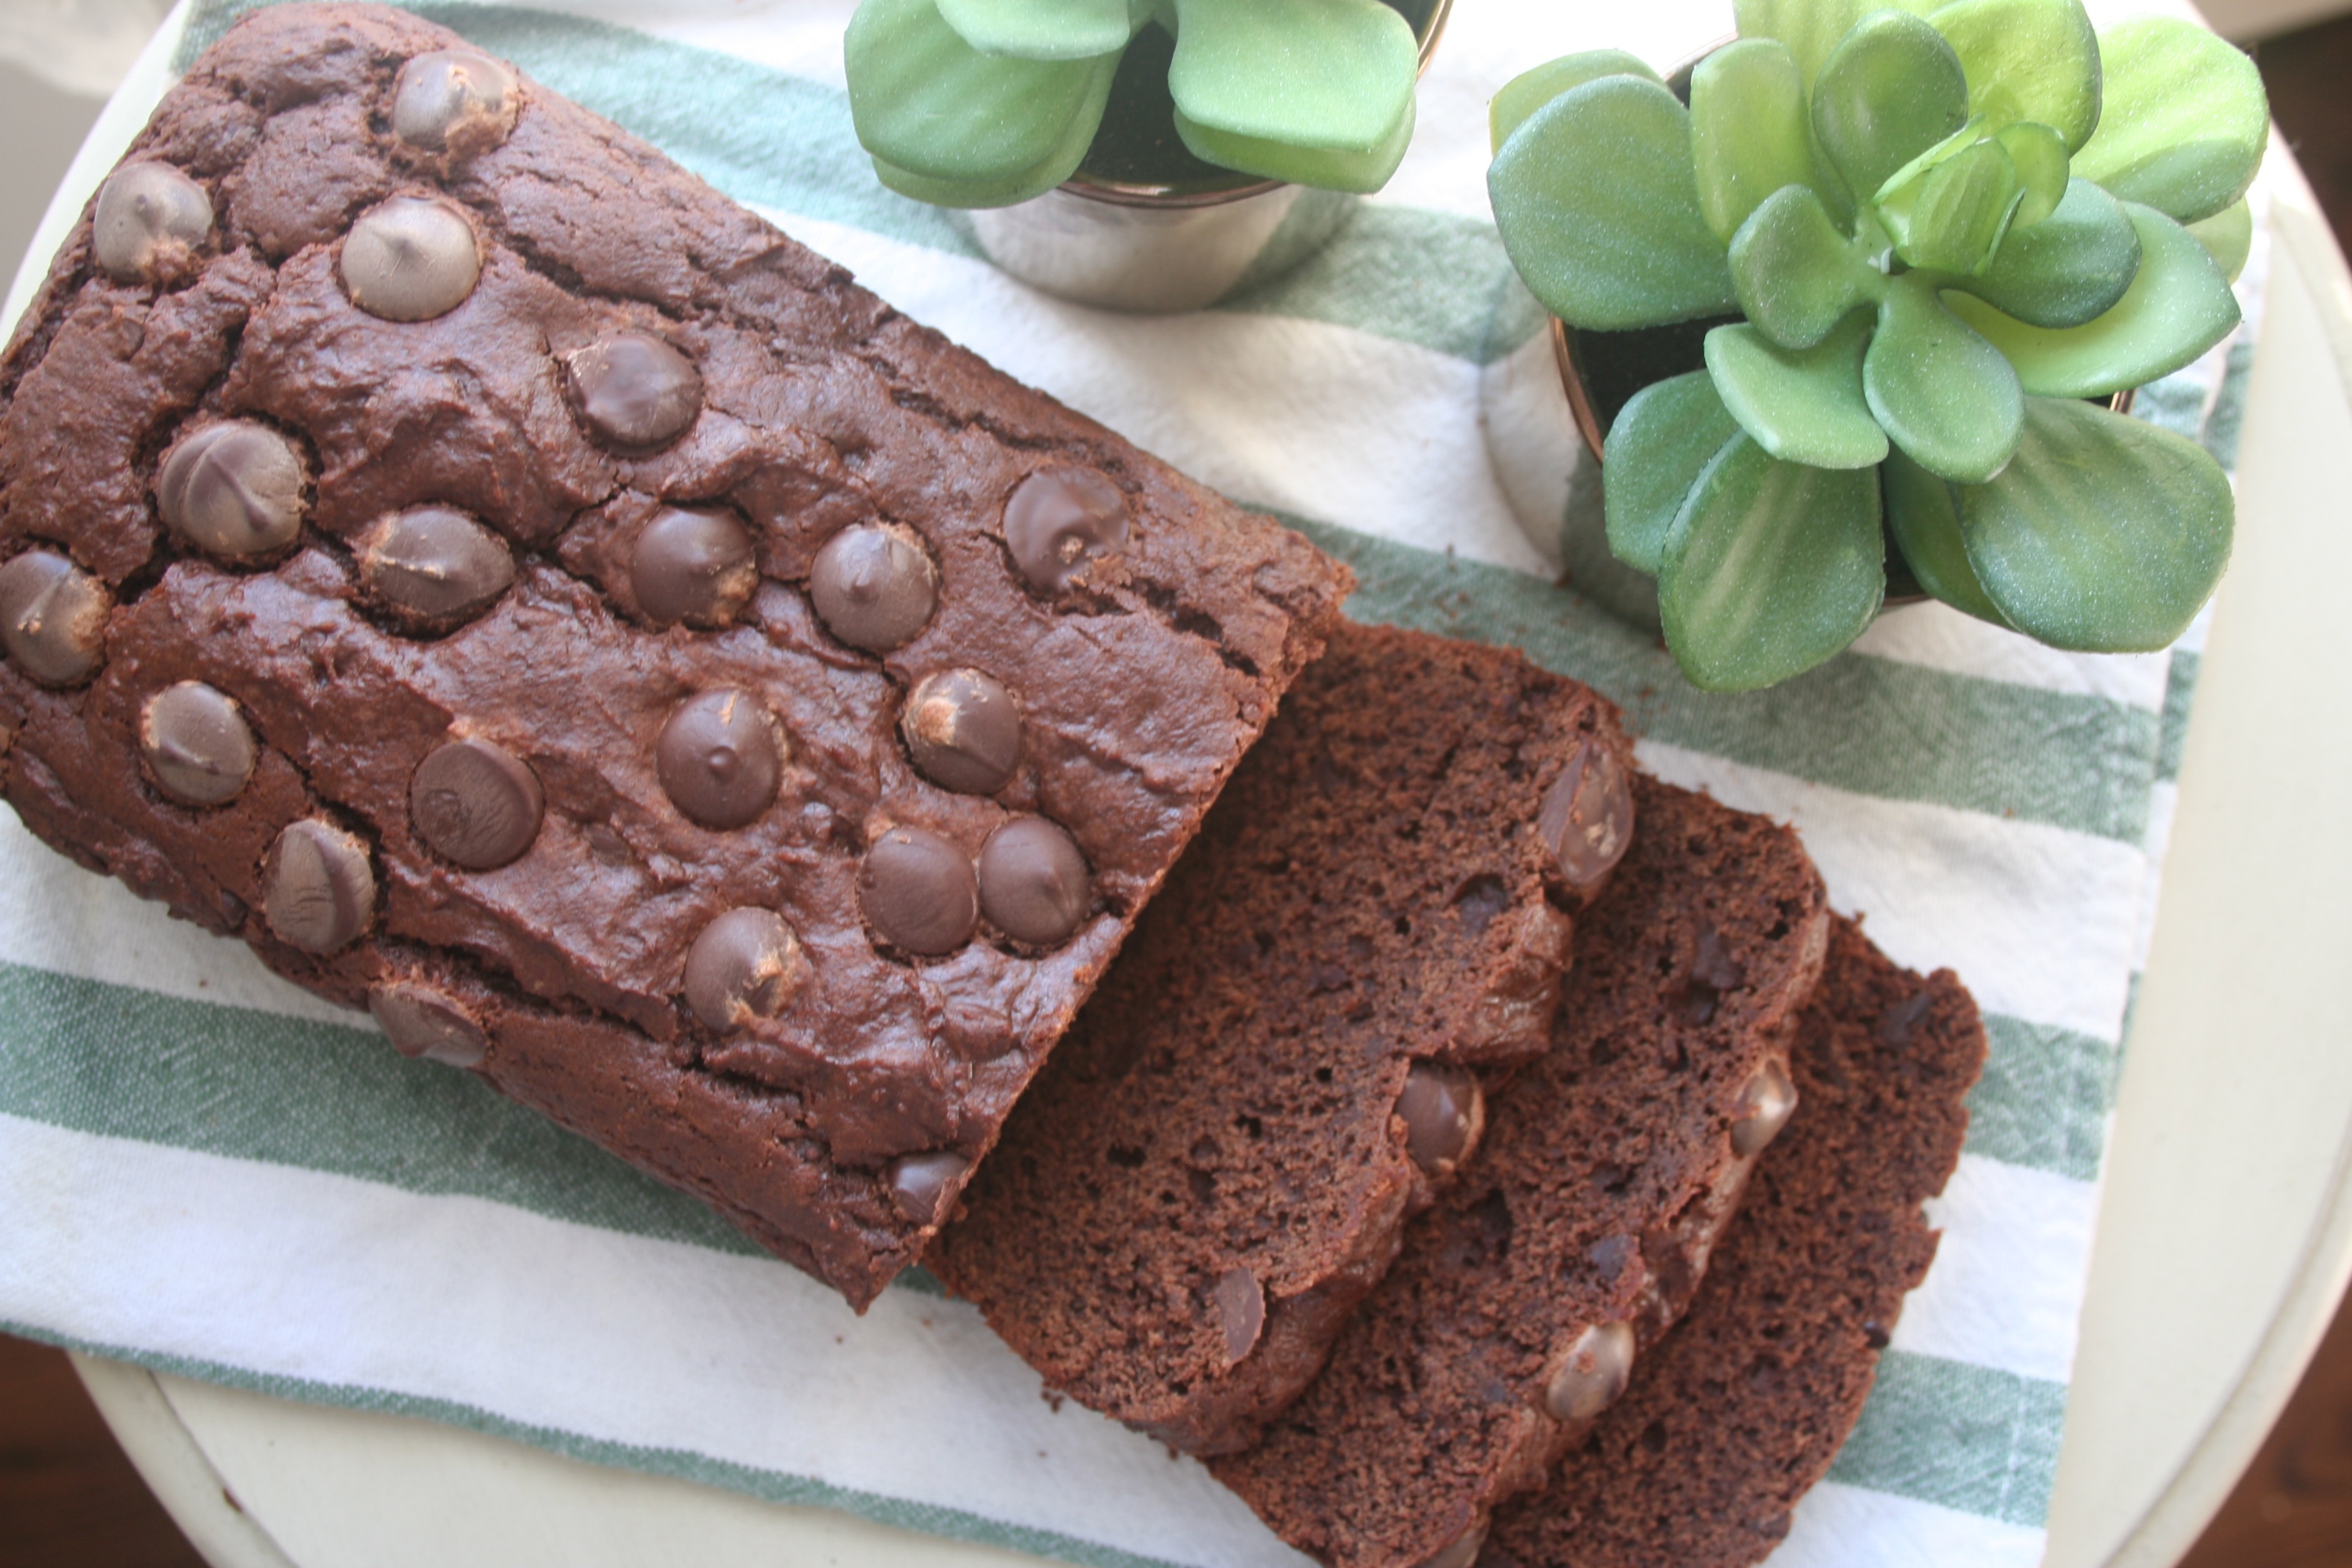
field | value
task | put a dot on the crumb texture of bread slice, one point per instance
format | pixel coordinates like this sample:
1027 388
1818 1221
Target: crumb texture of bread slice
1521 1301
1212 1170
546 555
1744 1406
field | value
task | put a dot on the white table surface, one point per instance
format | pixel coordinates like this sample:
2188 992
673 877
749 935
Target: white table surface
2224 1242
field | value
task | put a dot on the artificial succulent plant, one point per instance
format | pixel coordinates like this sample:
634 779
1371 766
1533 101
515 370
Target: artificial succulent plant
978 103
1946 229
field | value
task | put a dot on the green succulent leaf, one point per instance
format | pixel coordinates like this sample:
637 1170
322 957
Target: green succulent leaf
1795 275
1772 568
1923 515
2068 270
1042 30
969 128
1892 90
2027 60
2227 237
1335 76
2179 305
1326 169
2105 535
1598 210
2038 154
2185 120
1657 448
1801 405
1811 28
1749 131
1531 90
1941 392
1953 217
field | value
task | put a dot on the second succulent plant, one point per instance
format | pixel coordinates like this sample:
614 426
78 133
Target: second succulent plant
1942 233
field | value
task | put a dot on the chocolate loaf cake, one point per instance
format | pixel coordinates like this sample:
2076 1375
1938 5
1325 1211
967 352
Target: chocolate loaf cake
1518 1306
1742 1410
1286 1061
450 548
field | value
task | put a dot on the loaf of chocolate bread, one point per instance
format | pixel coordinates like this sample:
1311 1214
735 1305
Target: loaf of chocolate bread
1286 1061
450 548
1521 1303
1742 1410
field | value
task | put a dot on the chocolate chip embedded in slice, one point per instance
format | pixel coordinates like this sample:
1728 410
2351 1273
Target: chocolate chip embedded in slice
1462 1551
234 489
919 1184
411 260
318 887
694 564
1587 816
1058 520
433 567
423 1022
745 967
874 586
197 746
1241 1310
475 803
917 891
1593 1374
962 730
636 392
455 100
720 758
150 221
1034 881
1765 1107
53 617
1444 1111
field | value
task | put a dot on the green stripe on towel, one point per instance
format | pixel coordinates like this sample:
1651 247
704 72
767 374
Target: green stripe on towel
1961 1436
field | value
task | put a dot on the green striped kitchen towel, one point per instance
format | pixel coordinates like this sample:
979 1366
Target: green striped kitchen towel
205 1170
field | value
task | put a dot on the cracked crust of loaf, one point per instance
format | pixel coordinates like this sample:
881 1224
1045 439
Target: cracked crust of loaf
823 408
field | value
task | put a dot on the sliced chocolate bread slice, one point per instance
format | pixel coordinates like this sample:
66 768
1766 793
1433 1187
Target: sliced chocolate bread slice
1517 1307
1742 1410
1219 1161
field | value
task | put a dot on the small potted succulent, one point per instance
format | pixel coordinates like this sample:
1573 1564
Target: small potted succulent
1924 242
1143 154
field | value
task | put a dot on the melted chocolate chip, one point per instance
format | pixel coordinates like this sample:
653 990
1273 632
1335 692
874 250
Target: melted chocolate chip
636 392
197 745
150 221
874 586
1240 1307
1060 519
694 565
1587 816
234 489
1593 1374
475 803
317 888
963 732
454 100
434 568
411 260
1765 1106
1444 1111
1462 1551
918 890
919 1184
53 617
1034 882
1895 1025
745 967
421 1021
720 758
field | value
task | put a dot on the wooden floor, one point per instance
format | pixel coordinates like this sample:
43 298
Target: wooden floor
69 1499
